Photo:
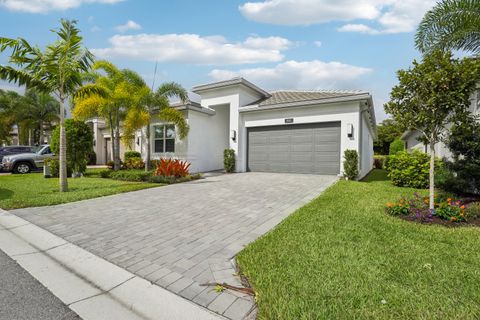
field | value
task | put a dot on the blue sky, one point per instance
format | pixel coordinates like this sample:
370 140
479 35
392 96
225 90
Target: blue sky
277 44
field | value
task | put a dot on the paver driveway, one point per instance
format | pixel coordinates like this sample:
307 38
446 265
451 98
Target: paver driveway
183 235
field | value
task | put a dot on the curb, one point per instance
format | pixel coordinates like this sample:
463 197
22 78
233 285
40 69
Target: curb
91 286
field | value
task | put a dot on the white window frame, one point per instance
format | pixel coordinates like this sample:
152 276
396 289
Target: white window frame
164 138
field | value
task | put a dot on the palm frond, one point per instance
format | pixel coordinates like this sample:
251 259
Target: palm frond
176 117
172 90
450 25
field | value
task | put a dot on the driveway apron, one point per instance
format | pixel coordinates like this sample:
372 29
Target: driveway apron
185 235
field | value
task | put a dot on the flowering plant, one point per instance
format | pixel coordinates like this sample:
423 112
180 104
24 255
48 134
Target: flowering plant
417 208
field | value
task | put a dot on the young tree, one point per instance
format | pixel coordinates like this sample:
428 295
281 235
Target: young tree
57 70
431 95
450 25
12 107
157 104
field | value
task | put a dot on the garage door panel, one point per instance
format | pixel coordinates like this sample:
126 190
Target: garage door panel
309 148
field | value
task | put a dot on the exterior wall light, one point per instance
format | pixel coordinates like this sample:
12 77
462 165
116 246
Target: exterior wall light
349 130
233 135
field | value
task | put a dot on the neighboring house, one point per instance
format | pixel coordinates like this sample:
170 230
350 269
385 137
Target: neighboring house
411 138
281 131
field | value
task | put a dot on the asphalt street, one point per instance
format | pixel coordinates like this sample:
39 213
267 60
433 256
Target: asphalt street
24 298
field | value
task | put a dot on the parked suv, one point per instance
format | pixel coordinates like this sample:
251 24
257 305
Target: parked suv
26 162
10 150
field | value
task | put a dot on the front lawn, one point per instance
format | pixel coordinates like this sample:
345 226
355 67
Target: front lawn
33 190
342 257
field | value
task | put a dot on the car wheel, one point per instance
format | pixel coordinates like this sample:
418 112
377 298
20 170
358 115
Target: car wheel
22 167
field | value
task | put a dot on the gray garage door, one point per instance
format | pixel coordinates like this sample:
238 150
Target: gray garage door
300 148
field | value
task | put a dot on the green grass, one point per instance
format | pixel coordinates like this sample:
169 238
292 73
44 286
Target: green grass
33 190
339 256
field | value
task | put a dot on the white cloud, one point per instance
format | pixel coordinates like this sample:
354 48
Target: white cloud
194 49
43 6
292 74
361 28
130 25
317 44
389 16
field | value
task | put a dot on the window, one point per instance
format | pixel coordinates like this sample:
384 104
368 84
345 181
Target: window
164 138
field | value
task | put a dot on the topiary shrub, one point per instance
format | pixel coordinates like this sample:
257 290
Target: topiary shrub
409 169
229 160
131 154
396 146
350 165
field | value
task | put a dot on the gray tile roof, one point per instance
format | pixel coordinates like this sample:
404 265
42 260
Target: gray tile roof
282 97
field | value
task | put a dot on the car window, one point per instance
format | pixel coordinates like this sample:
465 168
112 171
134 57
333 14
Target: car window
19 150
46 150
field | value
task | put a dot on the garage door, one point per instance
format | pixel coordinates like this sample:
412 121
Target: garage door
301 148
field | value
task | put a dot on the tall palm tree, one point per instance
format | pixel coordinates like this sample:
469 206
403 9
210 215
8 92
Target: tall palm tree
115 93
43 111
157 105
450 25
57 70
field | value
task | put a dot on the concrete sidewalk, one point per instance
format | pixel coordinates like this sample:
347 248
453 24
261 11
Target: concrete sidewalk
89 285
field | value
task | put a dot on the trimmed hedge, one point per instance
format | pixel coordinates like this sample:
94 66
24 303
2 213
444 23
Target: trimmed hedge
229 160
130 175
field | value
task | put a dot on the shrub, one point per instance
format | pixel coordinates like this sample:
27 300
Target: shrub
472 211
350 165
450 210
229 160
409 169
79 144
92 158
130 175
54 165
396 146
464 143
378 161
133 163
131 154
171 180
172 168
105 173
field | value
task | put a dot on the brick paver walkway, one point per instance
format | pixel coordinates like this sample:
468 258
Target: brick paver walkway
183 235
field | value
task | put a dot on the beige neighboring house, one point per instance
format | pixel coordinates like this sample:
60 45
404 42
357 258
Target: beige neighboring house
411 138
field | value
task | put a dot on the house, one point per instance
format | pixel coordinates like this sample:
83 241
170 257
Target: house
280 131
411 137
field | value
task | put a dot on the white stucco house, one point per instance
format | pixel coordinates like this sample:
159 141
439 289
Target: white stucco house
280 131
411 138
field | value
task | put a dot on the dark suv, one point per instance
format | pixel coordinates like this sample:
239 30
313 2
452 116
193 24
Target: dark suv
11 150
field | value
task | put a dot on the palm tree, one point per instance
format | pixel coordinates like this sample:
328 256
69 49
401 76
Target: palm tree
450 25
115 93
43 111
56 70
157 105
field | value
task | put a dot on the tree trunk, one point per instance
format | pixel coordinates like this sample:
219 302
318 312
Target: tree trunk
41 133
112 145
63 150
432 175
116 141
147 148
30 140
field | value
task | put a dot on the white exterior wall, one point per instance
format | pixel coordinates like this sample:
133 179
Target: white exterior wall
346 113
366 147
234 97
207 138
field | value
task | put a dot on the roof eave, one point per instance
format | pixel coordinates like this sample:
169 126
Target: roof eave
227 83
